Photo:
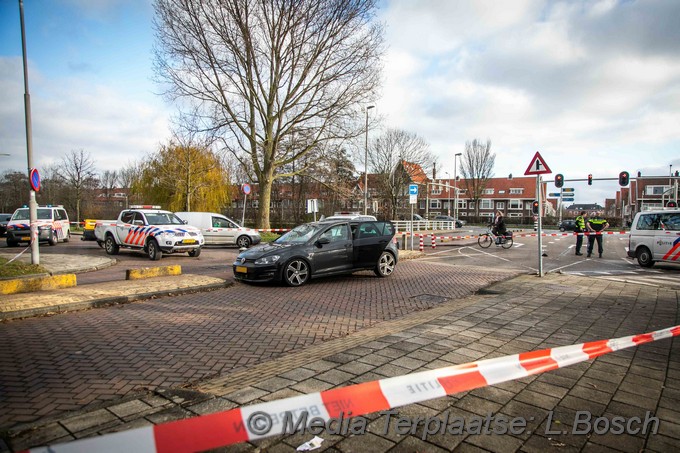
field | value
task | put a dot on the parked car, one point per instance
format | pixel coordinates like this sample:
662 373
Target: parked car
218 229
53 226
567 225
655 236
448 218
321 249
4 219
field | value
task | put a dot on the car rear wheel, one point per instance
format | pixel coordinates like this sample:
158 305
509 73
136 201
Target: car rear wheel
644 257
296 272
110 246
53 238
562 229
386 265
68 236
153 250
195 252
243 242
11 243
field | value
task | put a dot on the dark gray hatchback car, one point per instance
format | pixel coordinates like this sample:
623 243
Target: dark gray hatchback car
321 249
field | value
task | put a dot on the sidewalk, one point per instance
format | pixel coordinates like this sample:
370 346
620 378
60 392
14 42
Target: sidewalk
522 314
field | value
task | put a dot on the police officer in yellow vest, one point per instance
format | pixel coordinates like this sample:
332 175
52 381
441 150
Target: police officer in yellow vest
580 229
596 225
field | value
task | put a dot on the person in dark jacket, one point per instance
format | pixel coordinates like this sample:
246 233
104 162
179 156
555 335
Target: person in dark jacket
580 229
596 226
499 226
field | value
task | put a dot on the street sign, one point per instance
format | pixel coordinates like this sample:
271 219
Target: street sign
537 166
567 199
554 195
413 189
245 188
568 189
34 177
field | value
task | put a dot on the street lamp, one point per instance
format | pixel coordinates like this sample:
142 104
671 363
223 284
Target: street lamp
455 188
448 194
366 164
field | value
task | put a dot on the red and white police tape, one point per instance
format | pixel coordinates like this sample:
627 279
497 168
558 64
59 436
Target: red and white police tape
268 419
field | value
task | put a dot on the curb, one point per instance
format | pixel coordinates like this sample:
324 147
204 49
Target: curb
149 272
37 283
106 301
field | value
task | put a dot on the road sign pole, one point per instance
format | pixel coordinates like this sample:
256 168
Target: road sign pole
540 241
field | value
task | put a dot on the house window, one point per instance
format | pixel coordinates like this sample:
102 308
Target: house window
435 204
421 204
462 204
656 190
471 205
488 191
436 190
500 205
515 204
516 191
485 204
527 205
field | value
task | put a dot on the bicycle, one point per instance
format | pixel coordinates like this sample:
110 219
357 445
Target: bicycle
486 239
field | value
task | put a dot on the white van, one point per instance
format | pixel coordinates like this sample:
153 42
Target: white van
53 226
220 230
655 236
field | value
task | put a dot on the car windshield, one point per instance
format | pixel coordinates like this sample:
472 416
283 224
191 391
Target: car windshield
162 218
299 234
24 214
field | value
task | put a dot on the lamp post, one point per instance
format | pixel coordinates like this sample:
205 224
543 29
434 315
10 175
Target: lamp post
32 205
455 188
366 164
448 194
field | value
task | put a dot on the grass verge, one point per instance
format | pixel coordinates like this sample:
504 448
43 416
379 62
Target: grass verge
17 269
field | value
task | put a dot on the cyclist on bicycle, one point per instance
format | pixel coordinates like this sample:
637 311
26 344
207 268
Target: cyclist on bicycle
499 226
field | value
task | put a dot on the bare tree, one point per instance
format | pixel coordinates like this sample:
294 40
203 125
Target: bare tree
476 167
79 173
109 181
386 158
256 73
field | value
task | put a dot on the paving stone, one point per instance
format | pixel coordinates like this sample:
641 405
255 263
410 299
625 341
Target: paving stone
355 368
361 444
274 384
48 434
335 377
169 415
246 395
88 420
298 374
129 408
211 406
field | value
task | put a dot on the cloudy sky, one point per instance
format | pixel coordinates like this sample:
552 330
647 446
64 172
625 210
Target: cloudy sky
594 86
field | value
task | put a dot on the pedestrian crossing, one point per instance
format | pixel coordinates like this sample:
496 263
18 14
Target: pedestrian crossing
646 277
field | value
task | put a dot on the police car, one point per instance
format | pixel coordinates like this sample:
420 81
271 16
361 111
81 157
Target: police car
655 237
53 226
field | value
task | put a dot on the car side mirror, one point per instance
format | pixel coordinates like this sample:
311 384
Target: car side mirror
322 241
138 222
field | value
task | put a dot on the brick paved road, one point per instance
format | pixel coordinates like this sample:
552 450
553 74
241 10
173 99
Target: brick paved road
60 363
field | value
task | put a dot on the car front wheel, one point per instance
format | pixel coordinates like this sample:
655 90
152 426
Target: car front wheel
53 238
195 252
296 272
562 229
153 250
644 257
386 265
243 242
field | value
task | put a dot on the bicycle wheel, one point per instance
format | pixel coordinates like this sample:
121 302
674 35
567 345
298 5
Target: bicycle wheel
485 241
507 243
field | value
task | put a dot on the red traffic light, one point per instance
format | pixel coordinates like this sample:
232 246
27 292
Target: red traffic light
624 177
590 180
559 180
671 204
534 207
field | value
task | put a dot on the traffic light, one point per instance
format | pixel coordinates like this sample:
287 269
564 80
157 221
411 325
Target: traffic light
590 180
624 177
534 207
671 204
559 180
639 174
677 172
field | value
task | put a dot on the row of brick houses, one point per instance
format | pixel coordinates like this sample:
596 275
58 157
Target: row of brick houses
436 196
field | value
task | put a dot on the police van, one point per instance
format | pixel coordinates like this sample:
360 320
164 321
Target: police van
53 226
655 237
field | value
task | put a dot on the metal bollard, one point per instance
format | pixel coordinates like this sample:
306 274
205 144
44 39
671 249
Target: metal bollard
422 243
434 241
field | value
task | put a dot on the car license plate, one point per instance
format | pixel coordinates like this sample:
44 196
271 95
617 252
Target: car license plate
25 238
189 241
241 269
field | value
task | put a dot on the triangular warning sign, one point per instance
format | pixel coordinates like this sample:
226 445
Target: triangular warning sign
537 166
